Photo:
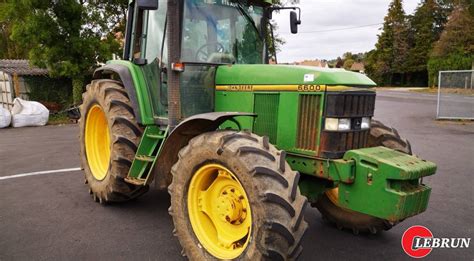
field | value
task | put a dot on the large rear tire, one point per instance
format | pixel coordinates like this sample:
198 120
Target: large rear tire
327 204
109 137
234 197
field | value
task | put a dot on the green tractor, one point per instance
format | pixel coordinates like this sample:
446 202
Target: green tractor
242 146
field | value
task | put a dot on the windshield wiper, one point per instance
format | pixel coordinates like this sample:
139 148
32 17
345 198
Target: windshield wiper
248 17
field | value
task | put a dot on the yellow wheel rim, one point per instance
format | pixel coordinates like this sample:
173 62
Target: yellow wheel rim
97 142
219 211
333 195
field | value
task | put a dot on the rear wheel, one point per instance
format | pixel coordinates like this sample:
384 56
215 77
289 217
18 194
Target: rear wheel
327 204
109 136
233 196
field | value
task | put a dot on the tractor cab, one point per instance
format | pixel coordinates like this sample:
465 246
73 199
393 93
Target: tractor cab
207 34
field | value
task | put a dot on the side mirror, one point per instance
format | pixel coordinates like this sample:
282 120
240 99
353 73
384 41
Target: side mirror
147 4
294 22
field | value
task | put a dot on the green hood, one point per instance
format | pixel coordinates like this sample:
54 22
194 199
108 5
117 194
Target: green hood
288 74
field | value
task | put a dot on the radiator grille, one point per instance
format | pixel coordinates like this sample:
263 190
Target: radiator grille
266 108
350 105
308 120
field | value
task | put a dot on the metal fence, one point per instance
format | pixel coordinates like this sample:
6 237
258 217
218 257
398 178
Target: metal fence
456 95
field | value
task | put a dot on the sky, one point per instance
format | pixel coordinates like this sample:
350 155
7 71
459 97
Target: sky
325 15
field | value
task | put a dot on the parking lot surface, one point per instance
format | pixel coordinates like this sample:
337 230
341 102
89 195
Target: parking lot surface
52 216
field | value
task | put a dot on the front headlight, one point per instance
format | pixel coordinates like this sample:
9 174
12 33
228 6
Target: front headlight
365 124
335 124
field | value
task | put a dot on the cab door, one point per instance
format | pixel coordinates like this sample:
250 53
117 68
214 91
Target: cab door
149 51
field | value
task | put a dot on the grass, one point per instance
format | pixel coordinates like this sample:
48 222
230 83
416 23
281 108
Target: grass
58 118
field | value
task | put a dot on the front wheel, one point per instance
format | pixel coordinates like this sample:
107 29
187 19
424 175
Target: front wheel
109 137
328 205
233 196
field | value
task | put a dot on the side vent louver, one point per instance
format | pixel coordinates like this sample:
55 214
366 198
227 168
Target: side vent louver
266 108
308 121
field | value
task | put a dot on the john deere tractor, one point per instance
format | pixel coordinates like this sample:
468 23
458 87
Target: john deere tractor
242 146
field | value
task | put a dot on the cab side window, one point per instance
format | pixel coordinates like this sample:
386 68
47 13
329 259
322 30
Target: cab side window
156 23
138 34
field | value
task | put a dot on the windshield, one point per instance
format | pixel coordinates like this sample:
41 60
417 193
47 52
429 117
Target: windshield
222 31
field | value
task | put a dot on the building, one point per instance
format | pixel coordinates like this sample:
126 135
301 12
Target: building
314 63
358 67
14 78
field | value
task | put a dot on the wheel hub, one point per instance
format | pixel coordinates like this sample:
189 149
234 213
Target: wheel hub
230 206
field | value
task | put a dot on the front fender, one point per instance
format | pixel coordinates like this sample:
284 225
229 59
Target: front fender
180 137
132 79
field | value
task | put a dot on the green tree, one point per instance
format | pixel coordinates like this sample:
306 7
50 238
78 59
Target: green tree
348 64
426 26
68 37
8 49
392 46
274 41
455 48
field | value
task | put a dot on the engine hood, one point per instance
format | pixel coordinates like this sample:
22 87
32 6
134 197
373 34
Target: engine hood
266 74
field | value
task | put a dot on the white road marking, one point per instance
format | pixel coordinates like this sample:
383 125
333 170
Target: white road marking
40 173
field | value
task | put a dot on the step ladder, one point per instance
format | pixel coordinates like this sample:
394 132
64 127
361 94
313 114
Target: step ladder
145 159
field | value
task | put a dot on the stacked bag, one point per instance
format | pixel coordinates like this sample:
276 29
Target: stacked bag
5 118
24 114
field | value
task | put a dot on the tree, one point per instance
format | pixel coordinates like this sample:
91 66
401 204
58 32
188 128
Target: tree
8 49
426 26
455 48
68 37
274 41
348 64
392 46
339 63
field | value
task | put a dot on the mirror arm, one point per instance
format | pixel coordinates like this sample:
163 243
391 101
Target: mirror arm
271 9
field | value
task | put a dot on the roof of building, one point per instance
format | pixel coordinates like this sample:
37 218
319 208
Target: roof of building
316 63
358 67
21 67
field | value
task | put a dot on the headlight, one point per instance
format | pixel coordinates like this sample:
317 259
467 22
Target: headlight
365 124
334 124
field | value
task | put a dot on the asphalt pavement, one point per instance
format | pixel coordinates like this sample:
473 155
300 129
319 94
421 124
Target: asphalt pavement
52 217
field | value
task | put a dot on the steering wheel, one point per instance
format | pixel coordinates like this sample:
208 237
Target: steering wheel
202 53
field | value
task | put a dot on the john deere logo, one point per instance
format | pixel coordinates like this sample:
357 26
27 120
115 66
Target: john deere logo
418 242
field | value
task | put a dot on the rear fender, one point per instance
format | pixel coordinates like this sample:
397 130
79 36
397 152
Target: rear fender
180 137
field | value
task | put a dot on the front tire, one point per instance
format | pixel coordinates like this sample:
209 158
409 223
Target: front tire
109 137
236 181
327 204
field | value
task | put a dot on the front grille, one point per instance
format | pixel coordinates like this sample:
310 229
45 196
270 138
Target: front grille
266 107
308 122
356 104
353 105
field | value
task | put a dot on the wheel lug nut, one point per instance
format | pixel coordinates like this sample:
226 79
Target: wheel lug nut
241 197
227 218
232 190
224 193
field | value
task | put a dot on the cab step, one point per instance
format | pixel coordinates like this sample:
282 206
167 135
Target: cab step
134 181
150 147
145 158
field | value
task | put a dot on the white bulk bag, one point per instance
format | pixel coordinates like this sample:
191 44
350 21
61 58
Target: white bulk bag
28 113
5 118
